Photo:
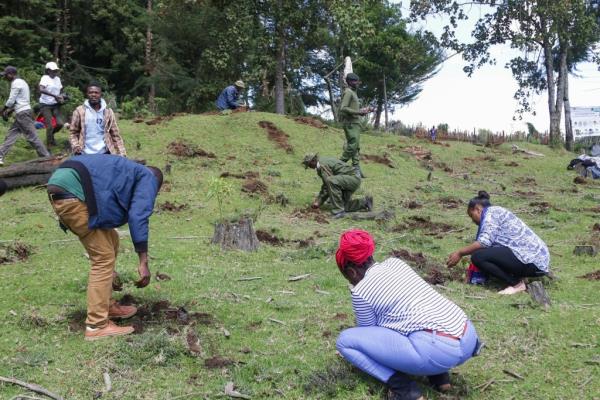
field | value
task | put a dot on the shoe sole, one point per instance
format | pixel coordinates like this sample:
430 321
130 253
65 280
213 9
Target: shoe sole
94 338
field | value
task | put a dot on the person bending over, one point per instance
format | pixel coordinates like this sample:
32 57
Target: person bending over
229 98
94 128
404 327
339 183
92 195
505 247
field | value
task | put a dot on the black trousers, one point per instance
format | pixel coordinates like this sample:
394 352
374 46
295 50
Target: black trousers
500 262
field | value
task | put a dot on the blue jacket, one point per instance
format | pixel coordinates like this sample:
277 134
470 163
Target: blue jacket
228 99
117 191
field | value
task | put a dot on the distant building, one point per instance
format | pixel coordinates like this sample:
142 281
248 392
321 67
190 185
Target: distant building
586 121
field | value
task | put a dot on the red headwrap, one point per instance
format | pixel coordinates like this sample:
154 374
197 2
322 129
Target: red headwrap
356 246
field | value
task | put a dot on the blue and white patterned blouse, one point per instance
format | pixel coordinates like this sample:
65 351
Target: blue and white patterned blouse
500 227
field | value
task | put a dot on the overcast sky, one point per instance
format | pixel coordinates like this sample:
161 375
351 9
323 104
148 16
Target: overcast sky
486 99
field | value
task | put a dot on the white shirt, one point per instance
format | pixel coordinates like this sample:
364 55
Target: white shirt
94 129
393 296
52 85
19 96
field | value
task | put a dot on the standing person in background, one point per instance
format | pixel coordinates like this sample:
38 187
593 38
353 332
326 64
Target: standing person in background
51 99
94 128
505 247
229 98
433 133
350 113
18 101
403 326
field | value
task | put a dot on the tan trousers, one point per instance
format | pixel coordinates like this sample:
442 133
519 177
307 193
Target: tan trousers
102 245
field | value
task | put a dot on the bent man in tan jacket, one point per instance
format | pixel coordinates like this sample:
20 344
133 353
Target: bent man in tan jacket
94 128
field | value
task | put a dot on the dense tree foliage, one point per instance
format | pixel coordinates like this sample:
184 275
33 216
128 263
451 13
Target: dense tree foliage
176 55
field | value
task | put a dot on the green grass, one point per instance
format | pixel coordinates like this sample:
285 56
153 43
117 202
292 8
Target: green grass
43 298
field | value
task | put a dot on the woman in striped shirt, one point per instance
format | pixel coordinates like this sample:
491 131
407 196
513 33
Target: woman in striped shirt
404 327
505 247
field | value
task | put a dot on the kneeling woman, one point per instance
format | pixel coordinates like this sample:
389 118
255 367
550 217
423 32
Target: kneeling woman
404 327
505 247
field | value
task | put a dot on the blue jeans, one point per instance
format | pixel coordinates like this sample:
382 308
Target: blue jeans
381 352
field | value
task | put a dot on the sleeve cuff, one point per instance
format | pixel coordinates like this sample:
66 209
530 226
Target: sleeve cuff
141 247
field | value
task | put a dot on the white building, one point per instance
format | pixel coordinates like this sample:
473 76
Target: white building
586 121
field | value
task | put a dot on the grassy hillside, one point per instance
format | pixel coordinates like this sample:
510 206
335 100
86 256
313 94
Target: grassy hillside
273 337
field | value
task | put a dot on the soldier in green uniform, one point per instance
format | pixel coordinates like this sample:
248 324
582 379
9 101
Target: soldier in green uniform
339 183
350 113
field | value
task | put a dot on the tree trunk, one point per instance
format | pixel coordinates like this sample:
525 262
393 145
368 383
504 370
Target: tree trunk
564 77
378 112
29 173
552 98
149 67
57 39
385 101
331 100
280 65
66 44
236 236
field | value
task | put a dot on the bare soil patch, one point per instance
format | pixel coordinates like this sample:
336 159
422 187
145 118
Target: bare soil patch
172 207
181 149
418 152
443 166
314 122
451 202
311 214
432 271
14 251
159 119
525 181
245 175
512 164
596 227
526 193
277 135
217 362
378 159
266 237
580 180
413 204
592 276
255 186
425 224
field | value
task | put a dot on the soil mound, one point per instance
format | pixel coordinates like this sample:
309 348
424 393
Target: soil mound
378 159
311 121
254 186
14 251
181 149
173 207
277 135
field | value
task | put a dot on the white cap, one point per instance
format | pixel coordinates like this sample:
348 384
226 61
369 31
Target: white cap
52 66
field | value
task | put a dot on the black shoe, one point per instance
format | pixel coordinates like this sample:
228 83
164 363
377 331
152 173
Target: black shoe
401 387
369 203
339 215
439 382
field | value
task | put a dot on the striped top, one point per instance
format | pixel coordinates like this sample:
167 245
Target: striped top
393 296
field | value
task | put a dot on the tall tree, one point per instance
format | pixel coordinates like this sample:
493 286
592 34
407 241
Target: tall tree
534 27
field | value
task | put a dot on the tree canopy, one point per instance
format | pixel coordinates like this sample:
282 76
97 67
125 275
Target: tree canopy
173 55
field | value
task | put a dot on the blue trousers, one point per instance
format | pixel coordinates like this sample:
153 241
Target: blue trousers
381 352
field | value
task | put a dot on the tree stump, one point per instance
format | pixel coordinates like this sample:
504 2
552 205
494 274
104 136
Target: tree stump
236 235
538 294
29 173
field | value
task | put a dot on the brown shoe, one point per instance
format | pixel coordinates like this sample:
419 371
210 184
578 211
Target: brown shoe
109 330
117 311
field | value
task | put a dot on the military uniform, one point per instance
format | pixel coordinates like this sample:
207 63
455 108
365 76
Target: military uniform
350 116
339 183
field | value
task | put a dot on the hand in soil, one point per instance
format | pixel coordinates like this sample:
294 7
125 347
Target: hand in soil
145 275
453 259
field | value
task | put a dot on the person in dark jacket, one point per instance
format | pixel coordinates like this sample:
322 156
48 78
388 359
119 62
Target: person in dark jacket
229 97
3 187
92 195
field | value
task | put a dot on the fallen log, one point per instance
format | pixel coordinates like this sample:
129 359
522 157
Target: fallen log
31 386
29 173
517 149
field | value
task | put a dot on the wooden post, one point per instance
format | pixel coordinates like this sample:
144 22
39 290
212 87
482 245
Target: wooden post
331 99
